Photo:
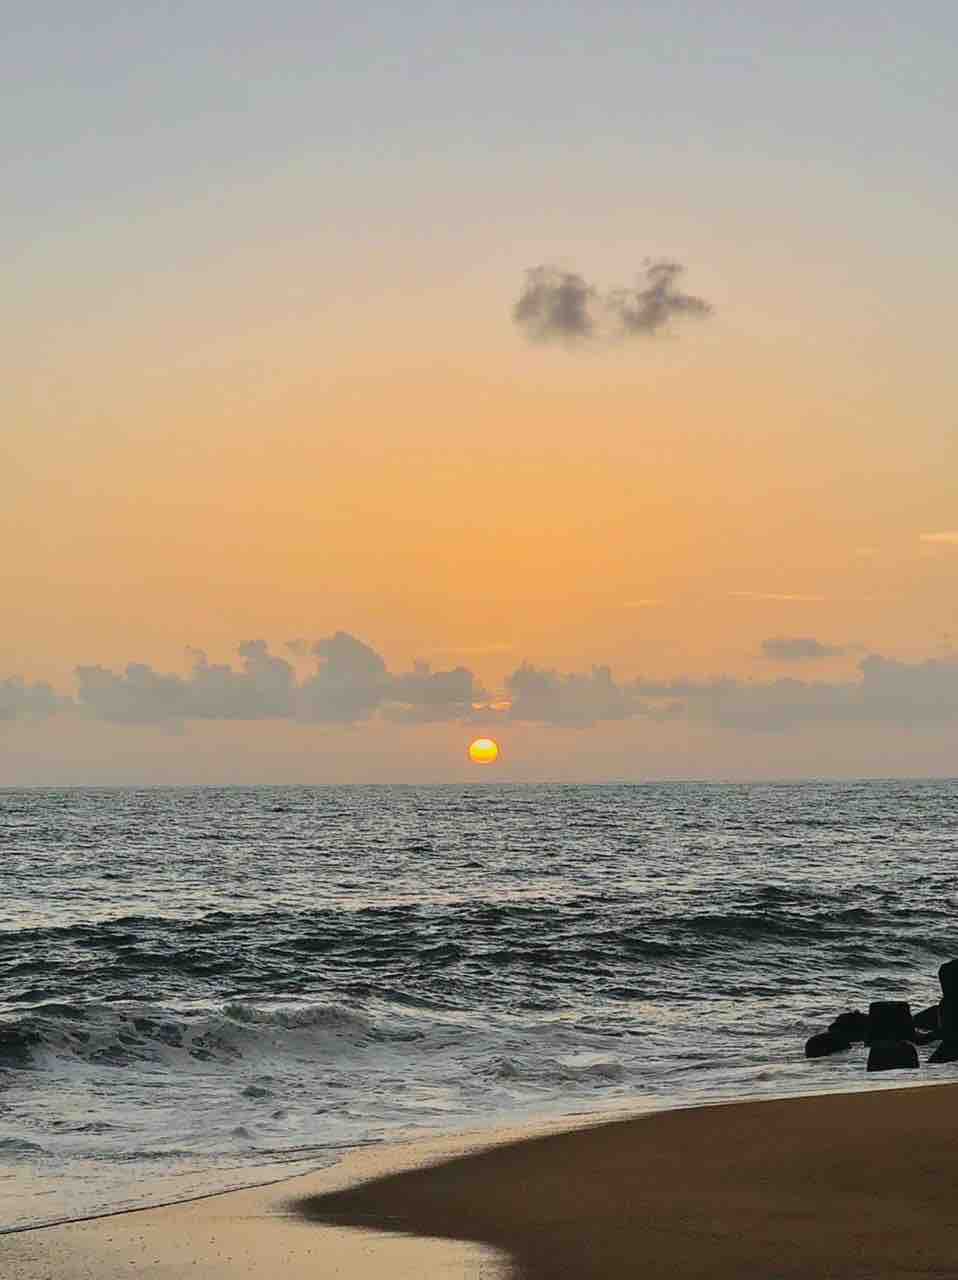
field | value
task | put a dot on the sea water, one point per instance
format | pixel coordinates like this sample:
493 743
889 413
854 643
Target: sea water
210 987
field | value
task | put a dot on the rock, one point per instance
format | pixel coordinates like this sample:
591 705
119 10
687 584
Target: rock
852 1026
948 1018
892 1055
948 977
947 1051
927 1025
890 1020
927 1019
824 1043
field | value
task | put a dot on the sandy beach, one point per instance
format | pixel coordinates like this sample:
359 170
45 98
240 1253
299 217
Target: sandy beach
845 1185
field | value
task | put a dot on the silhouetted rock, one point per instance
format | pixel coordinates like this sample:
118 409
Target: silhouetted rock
890 1020
948 1018
892 1055
824 1043
927 1019
851 1026
947 1051
948 977
927 1025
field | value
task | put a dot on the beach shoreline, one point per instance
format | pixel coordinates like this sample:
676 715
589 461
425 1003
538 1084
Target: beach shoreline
851 1185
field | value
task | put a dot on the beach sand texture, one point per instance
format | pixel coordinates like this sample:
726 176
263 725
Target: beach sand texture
844 1185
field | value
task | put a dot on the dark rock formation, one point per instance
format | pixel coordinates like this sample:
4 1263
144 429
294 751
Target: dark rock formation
890 1020
948 1018
824 1043
948 977
927 1019
947 1051
892 1055
891 1031
852 1026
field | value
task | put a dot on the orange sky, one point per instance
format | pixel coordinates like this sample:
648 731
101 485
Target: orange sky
276 391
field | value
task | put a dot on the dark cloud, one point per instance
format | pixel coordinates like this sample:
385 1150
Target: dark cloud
555 304
651 304
799 649
562 305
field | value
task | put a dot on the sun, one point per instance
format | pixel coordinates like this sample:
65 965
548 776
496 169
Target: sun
484 751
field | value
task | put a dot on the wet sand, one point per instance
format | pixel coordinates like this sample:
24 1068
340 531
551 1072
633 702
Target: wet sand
846 1185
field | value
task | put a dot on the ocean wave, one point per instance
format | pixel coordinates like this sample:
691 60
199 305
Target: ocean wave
549 1072
121 1036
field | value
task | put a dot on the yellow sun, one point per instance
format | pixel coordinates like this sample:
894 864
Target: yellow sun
484 751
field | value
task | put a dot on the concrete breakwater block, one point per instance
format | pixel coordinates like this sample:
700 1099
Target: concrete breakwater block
891 1030
892 1055
928 1020
851 1026
824 1043
890 1020
947 1051
948 1018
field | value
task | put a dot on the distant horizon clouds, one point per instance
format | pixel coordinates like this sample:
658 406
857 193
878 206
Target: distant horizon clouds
799 648
558 305
948 537
352 684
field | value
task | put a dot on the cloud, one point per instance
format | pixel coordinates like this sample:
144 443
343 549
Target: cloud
947 538
890 692
647 308
264 688
352 684
423 695
575 699
799 648
648 603
22 701
557 305
886 692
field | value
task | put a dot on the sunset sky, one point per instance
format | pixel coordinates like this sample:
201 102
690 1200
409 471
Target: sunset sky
266 389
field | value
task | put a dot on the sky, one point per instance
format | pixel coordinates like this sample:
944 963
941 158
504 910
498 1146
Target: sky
581 376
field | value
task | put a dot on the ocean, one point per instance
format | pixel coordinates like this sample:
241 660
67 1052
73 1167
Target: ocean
203 988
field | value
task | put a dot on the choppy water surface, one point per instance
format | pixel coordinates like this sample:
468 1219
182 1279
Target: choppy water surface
202 987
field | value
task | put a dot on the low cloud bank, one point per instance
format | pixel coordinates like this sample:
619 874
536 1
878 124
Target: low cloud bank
557 305
800 649
352 684
22 701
